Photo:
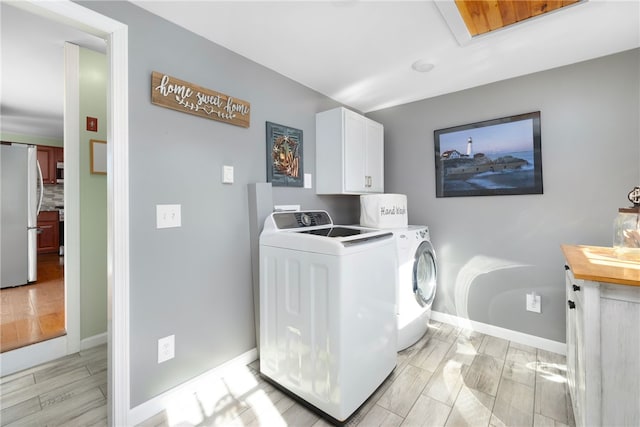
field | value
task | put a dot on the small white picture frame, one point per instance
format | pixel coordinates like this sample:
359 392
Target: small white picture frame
98 156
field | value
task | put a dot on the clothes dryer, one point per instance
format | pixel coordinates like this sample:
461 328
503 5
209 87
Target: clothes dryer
415 282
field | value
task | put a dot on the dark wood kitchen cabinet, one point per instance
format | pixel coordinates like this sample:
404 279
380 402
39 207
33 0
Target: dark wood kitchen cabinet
48 158
49 232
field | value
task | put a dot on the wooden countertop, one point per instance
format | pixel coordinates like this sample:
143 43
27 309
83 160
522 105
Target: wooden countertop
602 264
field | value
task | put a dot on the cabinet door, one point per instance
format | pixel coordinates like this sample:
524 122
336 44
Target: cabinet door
59 154
375 157
47 161
571 337
48 235
620 317
580 377
354 152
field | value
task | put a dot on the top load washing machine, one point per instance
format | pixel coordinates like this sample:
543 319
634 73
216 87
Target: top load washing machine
327 309
416 282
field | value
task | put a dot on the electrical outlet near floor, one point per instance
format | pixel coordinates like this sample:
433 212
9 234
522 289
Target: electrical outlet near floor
533 302
166 348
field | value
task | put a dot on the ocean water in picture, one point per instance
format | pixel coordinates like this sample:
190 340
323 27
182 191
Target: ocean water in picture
514 174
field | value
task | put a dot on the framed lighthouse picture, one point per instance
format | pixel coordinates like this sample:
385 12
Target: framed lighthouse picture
490 158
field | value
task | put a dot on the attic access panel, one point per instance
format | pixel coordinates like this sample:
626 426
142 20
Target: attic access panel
483 16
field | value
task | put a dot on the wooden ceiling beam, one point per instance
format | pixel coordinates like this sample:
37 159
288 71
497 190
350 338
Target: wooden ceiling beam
507 11
482 16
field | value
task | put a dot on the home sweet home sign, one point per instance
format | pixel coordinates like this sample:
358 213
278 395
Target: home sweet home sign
179 95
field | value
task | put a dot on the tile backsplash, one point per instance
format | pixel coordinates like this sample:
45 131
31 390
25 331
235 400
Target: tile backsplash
53 196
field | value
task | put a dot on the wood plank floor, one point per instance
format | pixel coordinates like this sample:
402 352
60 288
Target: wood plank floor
33 313
451 377
69 391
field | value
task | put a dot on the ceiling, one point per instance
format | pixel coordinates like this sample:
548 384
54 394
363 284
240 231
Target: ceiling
32 71
357 52
360 52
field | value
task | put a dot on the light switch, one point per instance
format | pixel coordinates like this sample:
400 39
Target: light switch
168 216
227 174
307 180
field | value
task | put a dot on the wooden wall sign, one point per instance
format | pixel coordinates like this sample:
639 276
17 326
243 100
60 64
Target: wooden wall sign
179 95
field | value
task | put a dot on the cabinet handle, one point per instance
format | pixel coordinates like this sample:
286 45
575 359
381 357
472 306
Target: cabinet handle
572 305
576 288
566 267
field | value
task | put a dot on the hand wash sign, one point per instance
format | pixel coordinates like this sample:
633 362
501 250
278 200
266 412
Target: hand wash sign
179 95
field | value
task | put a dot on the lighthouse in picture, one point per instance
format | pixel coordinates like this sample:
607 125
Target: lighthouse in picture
469 149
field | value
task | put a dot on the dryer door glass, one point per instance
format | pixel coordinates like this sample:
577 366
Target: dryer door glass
424 274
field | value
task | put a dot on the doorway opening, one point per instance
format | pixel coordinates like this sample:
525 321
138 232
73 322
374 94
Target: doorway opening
39 310
116 36
35 312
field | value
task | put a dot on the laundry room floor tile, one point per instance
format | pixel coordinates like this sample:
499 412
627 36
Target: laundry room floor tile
473 380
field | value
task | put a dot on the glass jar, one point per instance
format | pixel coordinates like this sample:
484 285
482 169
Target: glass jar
626 229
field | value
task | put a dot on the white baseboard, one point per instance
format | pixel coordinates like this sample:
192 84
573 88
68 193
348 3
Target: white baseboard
93 341
496 331
186 390
42 352
32 355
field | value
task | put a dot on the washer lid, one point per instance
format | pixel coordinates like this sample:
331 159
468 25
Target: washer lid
336 231
313 231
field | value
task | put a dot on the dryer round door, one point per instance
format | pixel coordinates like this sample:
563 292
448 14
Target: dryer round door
424 274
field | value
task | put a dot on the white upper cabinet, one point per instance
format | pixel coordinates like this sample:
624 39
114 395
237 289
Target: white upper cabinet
349 153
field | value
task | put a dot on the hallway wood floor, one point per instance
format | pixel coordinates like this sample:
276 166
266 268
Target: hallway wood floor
34 313
451 377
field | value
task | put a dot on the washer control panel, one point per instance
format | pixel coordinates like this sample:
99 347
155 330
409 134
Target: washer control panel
289 220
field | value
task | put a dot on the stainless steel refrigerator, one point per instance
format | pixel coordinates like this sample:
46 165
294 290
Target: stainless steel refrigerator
20 200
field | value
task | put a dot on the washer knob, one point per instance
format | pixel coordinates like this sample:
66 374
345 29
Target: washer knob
305 219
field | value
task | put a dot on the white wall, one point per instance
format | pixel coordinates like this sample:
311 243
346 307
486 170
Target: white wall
492 250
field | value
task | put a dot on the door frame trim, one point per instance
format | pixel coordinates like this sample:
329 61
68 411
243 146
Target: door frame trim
116 35
72 195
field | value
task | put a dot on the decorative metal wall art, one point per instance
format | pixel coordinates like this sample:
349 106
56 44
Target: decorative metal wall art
284 156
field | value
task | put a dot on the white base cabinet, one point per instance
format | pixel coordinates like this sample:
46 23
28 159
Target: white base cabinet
349 153
603 352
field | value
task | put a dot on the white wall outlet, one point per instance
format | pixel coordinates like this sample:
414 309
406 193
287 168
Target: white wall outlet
166 348
227 174
533 302
168 216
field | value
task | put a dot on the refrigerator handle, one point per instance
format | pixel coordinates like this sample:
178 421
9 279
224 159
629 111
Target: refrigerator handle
41 188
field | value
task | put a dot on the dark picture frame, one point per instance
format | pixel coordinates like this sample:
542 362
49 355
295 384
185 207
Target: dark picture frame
490 158
284 156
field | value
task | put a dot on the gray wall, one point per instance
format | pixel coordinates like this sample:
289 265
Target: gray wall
195 281
493 250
